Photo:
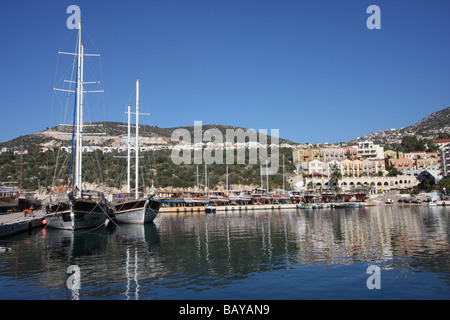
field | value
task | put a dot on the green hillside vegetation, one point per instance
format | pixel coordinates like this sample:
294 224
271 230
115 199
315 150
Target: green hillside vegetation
52 168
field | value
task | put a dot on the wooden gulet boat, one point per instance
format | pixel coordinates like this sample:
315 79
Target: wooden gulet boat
135 207
77 208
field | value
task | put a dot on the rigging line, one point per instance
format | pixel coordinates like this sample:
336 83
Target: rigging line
62 166
55 173
91 41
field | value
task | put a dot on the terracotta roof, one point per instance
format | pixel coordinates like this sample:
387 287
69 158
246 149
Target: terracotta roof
441 141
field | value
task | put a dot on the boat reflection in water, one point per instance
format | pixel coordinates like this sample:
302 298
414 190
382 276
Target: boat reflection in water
320 254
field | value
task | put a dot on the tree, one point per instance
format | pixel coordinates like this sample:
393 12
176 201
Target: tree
336 176
411 143
393 172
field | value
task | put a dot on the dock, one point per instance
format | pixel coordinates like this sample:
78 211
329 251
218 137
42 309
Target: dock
16 222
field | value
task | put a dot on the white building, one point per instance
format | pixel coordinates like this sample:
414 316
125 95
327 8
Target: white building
316 166
445 159
369 150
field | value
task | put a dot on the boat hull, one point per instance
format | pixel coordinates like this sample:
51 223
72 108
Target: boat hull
75 214
137 211
75 220
7 203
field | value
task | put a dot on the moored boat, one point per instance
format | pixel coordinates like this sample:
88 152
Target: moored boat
77 208
9 198
88 209
128 209
135 207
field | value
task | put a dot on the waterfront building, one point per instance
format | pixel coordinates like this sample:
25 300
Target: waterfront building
378 165
352 168
402 163
393 154
300 155
432 155
334 165
427 162
441 142
351 153
333 154
316 154
375 185
445 160
368 167
434 170
369 150
416 155
316 166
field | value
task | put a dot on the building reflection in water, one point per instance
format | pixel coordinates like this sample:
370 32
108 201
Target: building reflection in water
196 251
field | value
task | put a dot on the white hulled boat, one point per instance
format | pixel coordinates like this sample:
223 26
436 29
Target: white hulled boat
135 207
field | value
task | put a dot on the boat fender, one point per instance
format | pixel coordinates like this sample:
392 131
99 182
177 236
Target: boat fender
4 249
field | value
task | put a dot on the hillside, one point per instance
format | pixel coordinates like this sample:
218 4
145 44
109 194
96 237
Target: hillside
432 123
108 170
106 134
112 132
43 169
431 127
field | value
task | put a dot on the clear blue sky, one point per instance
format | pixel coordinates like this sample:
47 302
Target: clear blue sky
311 69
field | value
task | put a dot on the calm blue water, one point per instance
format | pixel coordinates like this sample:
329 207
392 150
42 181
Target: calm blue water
281 254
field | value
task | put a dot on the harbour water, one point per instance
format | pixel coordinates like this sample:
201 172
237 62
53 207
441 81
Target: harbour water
257 255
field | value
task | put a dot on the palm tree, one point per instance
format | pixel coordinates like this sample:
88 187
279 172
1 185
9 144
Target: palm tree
336 175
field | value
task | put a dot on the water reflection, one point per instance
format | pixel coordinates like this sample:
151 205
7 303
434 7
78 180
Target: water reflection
187 253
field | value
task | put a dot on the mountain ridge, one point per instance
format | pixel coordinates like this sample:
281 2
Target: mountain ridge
433 124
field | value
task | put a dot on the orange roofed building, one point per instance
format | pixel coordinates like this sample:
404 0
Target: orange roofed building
402 163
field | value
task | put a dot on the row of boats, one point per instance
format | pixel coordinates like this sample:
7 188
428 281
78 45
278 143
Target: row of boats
80 209
90 209
258 196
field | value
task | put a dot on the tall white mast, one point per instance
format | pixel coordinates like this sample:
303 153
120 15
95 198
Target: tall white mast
137 141
129 149
80 91
79 123
206 180
197 180
226 182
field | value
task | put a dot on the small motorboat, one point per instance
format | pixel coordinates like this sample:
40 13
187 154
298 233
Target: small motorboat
210 209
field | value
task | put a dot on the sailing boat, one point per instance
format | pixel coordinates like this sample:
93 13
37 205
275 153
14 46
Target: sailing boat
129 207
77 208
